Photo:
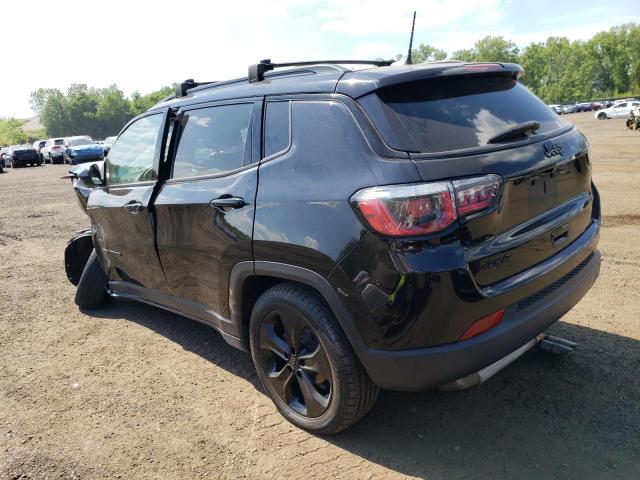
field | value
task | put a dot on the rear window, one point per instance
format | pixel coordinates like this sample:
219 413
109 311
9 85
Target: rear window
59 141
444 114
79 141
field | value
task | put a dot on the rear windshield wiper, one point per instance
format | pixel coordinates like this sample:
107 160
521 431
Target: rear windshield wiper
517 131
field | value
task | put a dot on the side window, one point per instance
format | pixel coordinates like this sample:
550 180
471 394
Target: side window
276 129
131 156
213 140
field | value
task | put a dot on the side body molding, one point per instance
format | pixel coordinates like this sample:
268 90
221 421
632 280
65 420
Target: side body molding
243 270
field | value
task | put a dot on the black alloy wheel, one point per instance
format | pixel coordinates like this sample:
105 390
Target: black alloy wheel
305 362
296 365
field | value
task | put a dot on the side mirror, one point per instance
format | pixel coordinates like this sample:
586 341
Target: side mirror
92 176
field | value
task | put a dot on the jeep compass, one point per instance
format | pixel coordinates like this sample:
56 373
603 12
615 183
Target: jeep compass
405 227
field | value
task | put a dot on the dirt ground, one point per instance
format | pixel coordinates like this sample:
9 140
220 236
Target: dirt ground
131 391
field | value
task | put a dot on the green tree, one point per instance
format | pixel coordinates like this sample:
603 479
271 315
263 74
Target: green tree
11 132
112 112
89 111
427 53
496 49
142 103
465 55
490 49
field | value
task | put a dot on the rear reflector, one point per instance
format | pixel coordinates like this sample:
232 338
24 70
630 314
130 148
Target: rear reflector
424 208
482 325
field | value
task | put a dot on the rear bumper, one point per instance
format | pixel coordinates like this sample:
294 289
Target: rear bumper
26 161
425 368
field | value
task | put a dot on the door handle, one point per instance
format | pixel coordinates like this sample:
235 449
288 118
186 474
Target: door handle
227 202
134 207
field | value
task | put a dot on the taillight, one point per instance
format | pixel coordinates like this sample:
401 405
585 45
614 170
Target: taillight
475 194
407 210
483 324
424 208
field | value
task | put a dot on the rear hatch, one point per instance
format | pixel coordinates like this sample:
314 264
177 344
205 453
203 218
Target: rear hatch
478 123
25 153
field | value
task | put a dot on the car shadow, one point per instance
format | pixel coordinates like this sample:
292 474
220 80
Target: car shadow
575 416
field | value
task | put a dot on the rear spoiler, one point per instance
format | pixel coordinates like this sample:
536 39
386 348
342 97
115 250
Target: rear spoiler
359 83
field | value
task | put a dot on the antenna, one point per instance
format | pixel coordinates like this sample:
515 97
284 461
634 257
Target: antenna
409 60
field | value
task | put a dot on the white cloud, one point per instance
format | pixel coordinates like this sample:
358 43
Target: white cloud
373 50
383 16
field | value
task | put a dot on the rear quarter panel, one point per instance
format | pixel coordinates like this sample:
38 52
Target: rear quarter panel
303 215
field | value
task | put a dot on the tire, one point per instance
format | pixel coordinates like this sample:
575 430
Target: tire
318 385
602 116
92 288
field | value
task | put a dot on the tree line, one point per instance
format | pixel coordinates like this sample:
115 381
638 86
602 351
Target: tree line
83 110
559 70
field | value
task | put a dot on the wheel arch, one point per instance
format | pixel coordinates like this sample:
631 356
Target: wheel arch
77 254
250 279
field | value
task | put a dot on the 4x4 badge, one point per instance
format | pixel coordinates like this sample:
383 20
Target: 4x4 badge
552 149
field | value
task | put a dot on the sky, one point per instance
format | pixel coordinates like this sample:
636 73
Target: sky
145 45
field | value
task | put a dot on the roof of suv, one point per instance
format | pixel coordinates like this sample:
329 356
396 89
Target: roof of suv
331 78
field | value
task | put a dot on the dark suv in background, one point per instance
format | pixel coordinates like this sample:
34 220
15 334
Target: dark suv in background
404 227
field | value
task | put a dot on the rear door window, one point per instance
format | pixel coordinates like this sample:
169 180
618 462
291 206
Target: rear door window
445 114
213 140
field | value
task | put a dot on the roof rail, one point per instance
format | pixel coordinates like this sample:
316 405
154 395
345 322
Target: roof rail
181 88
257 71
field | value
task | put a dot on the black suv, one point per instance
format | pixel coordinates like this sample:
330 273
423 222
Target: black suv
398 226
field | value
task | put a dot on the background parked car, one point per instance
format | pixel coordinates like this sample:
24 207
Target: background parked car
584 107
556 108
107 144
23 155
82 149
621 109
568 109
53 150
38 144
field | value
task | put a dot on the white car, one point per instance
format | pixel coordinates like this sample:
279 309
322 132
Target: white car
621 109
53 151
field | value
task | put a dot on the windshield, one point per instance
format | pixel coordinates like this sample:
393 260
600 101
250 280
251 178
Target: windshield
76 142
444 114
